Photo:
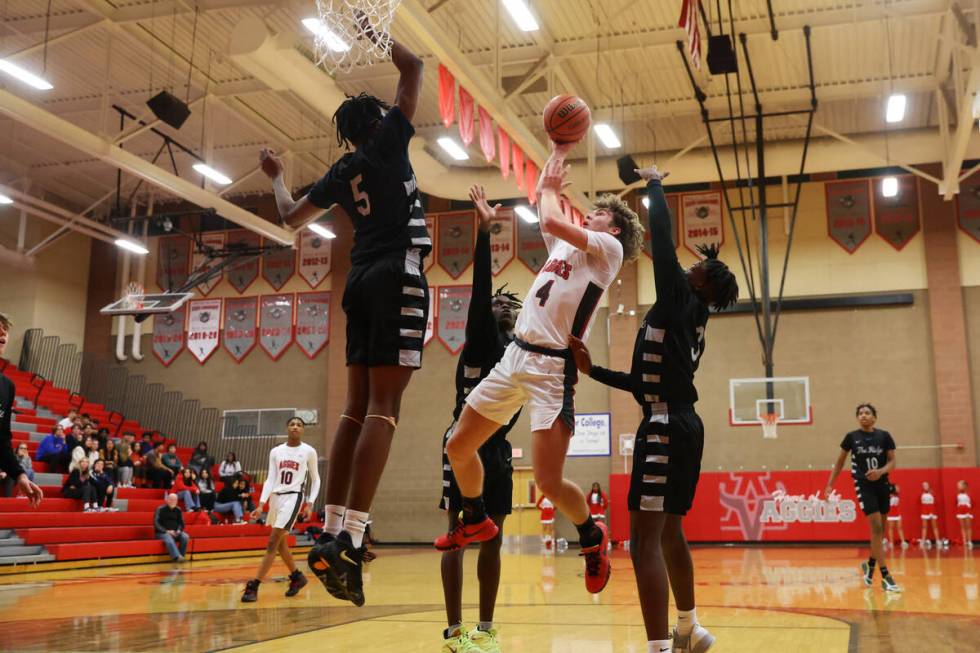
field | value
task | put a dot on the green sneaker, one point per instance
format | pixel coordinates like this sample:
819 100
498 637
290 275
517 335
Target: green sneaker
459 643
485 641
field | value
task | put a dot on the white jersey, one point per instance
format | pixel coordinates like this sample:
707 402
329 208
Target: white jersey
963 500
928 499
563 298
289 469
893 501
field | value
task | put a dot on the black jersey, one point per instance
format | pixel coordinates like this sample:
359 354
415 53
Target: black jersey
670 342
8 460
869 450
375 185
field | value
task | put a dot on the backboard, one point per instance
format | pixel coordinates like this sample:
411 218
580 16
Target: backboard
167 302
788 397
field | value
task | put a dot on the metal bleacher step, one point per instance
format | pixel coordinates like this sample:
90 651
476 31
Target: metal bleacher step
22 550
9 540
48 479
20 426
26 559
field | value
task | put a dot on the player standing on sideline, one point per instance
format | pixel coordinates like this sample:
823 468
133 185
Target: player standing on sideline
489 330
386 301
286 493
872 454
8 461
895 518
670 439
538 369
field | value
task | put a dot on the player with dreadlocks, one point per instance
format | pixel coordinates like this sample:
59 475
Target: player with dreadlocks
489 330
670 439
386 300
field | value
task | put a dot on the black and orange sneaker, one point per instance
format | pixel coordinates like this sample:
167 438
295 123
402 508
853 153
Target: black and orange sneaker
251 594
597 568
297 581
344 563
317 560
464 534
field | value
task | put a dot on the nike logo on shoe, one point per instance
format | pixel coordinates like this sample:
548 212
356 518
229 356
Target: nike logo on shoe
347 558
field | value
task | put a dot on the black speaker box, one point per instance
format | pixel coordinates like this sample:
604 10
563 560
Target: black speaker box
169 109
721 55
626 166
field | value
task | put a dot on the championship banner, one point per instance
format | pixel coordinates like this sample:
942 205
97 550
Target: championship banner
457 236
312 322
968 207
275 324
897 218
454 305
430 324
501 241
168 335
673 203
203 328
702 220
314 258
531 250
430 225
242 276
240 332
173 260
279 266
848 213
212 240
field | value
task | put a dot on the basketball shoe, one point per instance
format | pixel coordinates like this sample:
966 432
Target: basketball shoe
344 564
485 641
458 643
251 594
464 534
597 568
867 573
297 581
697 641
317 560
889 585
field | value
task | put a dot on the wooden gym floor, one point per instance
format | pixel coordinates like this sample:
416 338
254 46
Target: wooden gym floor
796 600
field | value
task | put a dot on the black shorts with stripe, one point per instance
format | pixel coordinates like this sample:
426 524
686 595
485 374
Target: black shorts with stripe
387 306
873 496
667 462
498 476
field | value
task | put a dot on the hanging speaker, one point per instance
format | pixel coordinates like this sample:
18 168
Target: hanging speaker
627 166
169 109
721 55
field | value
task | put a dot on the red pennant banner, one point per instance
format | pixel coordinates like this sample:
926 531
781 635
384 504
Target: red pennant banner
447 96
213 241
465 116
454 305
457 237
168 335
487 143
279 266
518 155
312 322
504 152
203 328
501 240
275 324
242 276
531 181
240 333
531 250
703 225
897 218
314 258
848 213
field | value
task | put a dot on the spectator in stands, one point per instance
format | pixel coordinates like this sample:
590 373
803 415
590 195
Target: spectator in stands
139 466
51 451
102 436
168 521
24 460
124 470
68 421
186 488
146 443
228 501
73 438
230 468
109 452
172 461
245 493
79 486
88 450
205 488
8 397
158 475
201 459
105 489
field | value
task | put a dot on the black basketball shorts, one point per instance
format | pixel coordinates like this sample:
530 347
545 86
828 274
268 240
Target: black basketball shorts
387 305
667 462
498 477
873 495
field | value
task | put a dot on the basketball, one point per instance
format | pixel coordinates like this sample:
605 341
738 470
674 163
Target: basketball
567 119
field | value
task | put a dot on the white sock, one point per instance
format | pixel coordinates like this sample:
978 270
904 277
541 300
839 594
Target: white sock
355 523
485 626
658 646
453 630
334 518
686 621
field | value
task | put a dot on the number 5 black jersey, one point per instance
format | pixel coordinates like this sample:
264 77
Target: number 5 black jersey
869 450
376 187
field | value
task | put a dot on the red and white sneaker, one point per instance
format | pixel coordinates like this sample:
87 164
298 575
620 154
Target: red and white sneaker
464 534
597 568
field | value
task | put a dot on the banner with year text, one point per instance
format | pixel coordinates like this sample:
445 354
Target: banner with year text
454 305
276 324
203 328
312 322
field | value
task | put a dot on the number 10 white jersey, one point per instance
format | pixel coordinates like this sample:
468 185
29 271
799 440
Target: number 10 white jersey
289 469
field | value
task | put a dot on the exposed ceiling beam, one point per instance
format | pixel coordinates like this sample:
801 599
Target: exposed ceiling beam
965 129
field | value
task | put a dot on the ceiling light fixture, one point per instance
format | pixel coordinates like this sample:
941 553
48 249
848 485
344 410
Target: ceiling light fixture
607 135
895 110
527 215
453 148
889 187
212 174
132 246
522 15
317 27
28 78
322 231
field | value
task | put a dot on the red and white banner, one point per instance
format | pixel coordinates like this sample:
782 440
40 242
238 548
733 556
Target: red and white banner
465 117
279 266
673 203
275 324
243 274
457 237
689 23
702 219
203 328
501 240
447 96
430 324
239 333
454 305
848 212
214 241
531 250
504 150
430 225
314 257
312 322
897 217
517 154
168 335
487 143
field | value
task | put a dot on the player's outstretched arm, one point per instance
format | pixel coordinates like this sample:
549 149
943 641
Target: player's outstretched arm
295 214
409 67
583 362
481 327
838 465
665 264
553 221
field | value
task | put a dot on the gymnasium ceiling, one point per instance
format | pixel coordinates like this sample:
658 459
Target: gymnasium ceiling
620 55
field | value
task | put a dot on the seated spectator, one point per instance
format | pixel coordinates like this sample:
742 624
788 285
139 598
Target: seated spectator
186 488
171 461
102 437
168 522
205 487
69 420
73 438
228 501
88 450
201 459
52 450
79 486
105 490
139 467
245 493
158 475
124 466
230 468
146 443
109 452
9 484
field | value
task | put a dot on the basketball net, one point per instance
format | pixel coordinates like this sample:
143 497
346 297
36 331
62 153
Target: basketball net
134 296
769 423
342 39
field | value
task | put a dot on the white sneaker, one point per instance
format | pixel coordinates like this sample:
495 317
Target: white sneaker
905 544
698 641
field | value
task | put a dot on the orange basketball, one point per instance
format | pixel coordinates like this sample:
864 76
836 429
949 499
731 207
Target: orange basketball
567 119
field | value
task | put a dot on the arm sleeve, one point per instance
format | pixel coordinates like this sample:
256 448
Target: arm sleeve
270 480
845 444
8 461
180 516
618 380
666 268
481 327
314 472
156 520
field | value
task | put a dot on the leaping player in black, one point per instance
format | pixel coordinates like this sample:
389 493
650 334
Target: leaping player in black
489 329
669 442
872 454
386 301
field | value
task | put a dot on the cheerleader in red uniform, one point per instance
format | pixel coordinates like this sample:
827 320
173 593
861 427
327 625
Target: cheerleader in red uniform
929 516
964 513
895 520
598 502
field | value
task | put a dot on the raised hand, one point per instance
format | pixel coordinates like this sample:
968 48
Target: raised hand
270 163
651 173
553 176
483 209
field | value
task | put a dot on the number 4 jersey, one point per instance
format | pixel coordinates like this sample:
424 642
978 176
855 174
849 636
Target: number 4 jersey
869 450
292 470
